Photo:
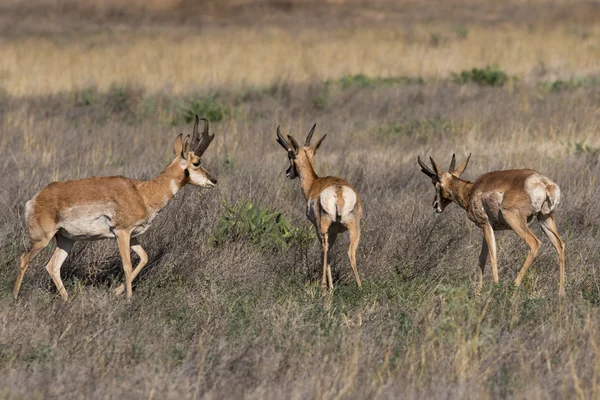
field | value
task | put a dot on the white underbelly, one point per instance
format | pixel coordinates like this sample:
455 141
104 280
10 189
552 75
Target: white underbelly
87 223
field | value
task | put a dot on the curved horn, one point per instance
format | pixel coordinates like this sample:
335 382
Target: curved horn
281 140
425 169
205 140
309 137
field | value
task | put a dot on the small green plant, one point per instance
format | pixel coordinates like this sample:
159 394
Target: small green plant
86 97
490 76
581 148
208 107
364 81
461 32
560 84
435 39
415 127
117 98
245 221
320 101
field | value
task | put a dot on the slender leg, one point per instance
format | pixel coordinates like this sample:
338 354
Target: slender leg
519 225
123 238
482 260
26 258
488 234
135 246
354 228
324 250
331 240
549 227
63 248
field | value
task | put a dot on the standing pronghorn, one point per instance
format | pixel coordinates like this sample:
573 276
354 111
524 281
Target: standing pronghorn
109 207
502 200
333 205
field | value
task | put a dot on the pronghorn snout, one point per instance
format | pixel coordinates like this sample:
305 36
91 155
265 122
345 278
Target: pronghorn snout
211 182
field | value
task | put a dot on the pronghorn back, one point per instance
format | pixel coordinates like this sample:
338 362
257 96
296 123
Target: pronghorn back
512 185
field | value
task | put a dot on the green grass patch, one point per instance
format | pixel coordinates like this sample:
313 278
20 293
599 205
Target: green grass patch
364 81
268 229
488 76
208 107
567 84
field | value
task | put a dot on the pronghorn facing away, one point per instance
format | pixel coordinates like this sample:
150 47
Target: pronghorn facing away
109 207
333 205
502 200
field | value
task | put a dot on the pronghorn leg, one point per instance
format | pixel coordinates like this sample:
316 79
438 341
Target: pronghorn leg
549 227
354 228
123 239
519 225
135 246
482 260
63 248
331 240
26 258
490 239
324 251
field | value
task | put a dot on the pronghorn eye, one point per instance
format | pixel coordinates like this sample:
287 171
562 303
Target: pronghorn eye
196 164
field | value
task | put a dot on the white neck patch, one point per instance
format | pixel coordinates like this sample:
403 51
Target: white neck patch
174 187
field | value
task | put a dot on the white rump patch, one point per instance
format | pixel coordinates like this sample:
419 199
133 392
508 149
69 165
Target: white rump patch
541 189
349 202
328 200
29 206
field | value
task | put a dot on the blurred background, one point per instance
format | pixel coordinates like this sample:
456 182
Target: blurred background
229 304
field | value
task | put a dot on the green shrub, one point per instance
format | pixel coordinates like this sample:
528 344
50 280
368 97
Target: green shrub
427 127
364 81
490 76
560 85
207 107
245 221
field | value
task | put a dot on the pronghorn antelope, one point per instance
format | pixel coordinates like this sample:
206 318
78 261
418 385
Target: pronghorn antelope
502 200
333 205
109 207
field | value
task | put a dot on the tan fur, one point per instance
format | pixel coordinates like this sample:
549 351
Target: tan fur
108 207
503 200
327 209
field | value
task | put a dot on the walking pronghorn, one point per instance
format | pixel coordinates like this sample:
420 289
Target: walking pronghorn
333 205
109 207
502 200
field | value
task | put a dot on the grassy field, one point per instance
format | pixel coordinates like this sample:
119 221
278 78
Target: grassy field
230 302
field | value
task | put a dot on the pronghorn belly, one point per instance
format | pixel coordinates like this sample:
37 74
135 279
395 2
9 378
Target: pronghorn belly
88 222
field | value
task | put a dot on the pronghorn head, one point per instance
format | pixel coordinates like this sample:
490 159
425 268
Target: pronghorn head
190 151
442 181
298 156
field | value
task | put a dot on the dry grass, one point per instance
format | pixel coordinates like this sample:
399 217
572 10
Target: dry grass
217 321
239 57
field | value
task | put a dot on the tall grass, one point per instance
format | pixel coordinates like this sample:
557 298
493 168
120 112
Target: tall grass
217 320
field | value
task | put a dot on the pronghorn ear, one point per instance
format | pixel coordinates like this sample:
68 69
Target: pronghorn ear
178 144
294 144
185 149
316 146
460 170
